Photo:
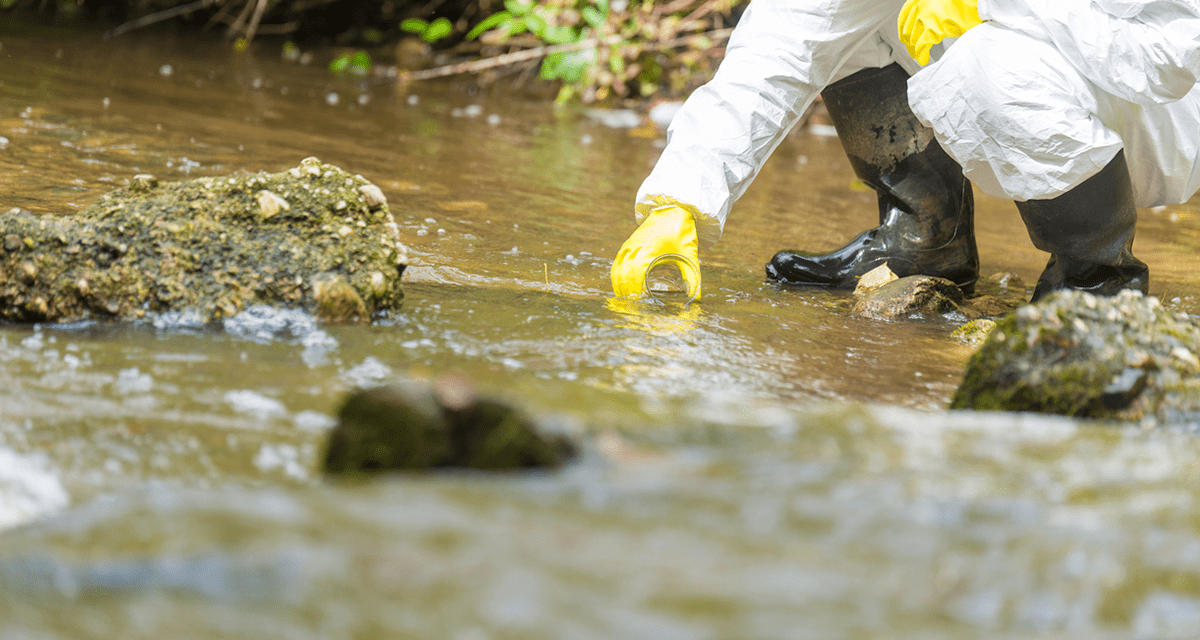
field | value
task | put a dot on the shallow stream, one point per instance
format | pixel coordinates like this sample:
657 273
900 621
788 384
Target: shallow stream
759 465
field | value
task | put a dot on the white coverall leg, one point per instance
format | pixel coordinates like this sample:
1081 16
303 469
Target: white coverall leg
1031 125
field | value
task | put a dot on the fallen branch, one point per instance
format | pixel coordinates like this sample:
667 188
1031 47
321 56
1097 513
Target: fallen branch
258 13
165 14
505 59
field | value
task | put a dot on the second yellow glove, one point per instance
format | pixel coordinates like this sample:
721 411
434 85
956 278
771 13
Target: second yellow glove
924 23
665 230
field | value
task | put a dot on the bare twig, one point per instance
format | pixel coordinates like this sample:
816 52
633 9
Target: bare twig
221 16
672 7
258 13
541 52
238 23
700 11
166 14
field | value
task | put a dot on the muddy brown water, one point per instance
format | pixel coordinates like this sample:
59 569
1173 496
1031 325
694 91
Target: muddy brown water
760 465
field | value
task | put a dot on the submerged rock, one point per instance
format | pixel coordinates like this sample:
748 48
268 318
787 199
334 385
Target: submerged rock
883 296
313 237
913 295
874 279
1076 354
418 427
974 332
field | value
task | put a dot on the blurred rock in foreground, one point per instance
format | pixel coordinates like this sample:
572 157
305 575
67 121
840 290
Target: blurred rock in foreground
312 237
447 424
1075 354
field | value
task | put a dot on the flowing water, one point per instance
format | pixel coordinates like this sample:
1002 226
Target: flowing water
758 465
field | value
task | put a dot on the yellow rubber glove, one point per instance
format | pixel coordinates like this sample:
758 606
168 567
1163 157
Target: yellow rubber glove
924 23
667 229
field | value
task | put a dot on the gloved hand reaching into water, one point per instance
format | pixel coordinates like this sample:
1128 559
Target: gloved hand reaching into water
924 23
669 229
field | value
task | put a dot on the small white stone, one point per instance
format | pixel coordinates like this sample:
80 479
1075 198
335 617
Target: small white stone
271 204
373 196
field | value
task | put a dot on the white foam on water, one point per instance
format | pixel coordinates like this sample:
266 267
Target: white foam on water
131 381
280 456
177 320
247 401
367 374
263 324
28 490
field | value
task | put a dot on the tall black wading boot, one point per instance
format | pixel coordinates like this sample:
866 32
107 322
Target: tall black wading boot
1089 234
926 209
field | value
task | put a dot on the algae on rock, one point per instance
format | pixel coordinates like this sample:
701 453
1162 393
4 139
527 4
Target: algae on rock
414 426
312 237
1076 354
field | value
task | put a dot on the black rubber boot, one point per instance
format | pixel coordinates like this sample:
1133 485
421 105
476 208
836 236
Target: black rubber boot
1089 234
926 208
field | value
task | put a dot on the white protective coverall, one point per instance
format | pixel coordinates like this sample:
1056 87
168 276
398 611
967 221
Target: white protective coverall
1031 104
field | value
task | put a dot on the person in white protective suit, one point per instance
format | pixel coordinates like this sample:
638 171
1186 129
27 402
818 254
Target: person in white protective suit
1078 110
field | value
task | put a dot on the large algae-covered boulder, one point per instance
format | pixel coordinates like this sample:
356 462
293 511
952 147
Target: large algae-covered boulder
1076 354
313 237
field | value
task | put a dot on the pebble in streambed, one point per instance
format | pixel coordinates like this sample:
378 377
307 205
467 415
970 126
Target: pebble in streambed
313 237
883 296
415 426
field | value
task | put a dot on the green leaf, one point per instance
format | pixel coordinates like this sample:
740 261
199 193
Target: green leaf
518 7
513 28
340 64
415 25
593 17
536 24
603 6
560 34
440 28
565 93
360 63
568 67
488 23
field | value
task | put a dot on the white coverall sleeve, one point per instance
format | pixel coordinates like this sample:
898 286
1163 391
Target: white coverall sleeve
1143 51
781 55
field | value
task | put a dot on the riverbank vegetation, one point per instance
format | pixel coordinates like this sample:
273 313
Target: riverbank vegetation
592 50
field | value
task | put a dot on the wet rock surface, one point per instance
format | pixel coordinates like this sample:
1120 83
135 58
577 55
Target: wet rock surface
913 295
312 237
883 296
1076 354
413 427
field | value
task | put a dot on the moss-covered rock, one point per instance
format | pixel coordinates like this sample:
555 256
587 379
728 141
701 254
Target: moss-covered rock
1124 357
417 427
974 332
312 237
